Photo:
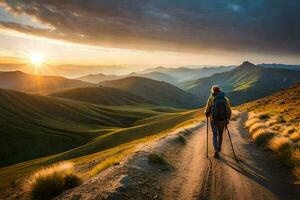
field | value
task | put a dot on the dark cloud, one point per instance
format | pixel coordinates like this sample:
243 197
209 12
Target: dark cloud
271 26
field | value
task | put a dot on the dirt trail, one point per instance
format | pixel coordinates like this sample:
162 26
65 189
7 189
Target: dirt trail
257 175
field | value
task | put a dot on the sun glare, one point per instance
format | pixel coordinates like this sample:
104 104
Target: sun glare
36 59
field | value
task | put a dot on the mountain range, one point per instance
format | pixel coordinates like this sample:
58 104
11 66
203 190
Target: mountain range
17 80
170 75
245 83
159 92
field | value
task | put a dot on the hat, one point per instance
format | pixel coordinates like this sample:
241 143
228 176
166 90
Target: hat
215 89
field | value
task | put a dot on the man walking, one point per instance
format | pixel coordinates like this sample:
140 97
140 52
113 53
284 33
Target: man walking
219 111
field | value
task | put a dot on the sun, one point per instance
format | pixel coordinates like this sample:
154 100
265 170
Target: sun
36 59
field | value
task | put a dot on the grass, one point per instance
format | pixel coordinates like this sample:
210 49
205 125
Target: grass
181 139
104 132
50 181
279 114
160 161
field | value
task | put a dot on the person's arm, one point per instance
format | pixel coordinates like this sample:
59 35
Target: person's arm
208 107
228 109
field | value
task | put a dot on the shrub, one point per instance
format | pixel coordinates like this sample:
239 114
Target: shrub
156 159
262 136
51 181
288 130
160 161
295 137
264 116
257 126
181 139
278 144
250 122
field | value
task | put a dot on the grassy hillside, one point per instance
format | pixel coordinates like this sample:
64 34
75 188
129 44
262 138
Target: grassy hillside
33 126
17 80
48 130
162 93
245 83
274 121
103 95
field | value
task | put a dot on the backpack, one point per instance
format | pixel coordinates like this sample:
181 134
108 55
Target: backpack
219 111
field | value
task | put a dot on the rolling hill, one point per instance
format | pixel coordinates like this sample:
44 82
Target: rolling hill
181 74
103 95
17 80
97 78
245 83
161 93
50 125
170 75
39 130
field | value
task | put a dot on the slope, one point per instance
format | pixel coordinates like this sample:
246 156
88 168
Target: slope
33 126
181 74
245 83
20 81
162 93
102 95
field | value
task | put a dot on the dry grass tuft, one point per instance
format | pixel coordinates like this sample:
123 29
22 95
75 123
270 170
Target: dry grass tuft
295 137
250 122
278 144
104 165
289 130
271 122
263 135
51 181
257 126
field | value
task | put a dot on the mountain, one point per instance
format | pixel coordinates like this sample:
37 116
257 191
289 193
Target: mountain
103 95
96 78
170 75
21 81
162 93
280 66
181 74
158 76
245 83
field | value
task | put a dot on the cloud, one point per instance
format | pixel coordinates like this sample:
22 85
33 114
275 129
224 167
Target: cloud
270 26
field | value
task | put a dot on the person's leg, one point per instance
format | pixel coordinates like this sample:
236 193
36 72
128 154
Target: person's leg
214 129
221 127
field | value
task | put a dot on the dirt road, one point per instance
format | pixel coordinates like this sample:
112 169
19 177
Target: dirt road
257 176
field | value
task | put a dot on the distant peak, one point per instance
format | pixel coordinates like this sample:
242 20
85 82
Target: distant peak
247 64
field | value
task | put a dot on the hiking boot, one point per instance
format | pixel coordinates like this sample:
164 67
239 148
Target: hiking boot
216 155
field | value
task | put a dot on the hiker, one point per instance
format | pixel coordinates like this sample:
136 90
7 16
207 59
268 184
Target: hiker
219 111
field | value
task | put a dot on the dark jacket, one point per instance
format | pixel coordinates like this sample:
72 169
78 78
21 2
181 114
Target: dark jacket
210 104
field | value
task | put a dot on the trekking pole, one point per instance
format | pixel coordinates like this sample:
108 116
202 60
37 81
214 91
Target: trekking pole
206 137
231 144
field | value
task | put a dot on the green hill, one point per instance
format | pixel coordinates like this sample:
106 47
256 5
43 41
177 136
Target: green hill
103 95
161 93
33 126
17 80
38 130
245 83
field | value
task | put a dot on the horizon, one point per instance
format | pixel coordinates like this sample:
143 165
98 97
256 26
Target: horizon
41 35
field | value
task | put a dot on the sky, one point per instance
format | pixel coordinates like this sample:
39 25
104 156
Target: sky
146 33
